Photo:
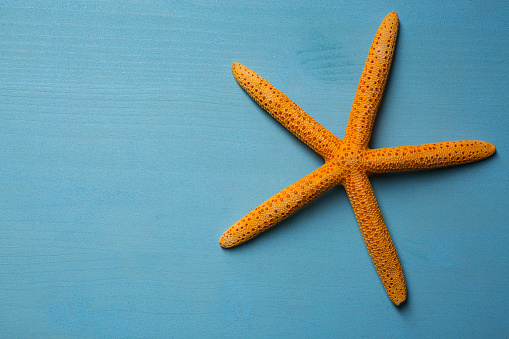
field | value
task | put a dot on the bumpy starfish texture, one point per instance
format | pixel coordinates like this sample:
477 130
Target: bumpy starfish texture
348 161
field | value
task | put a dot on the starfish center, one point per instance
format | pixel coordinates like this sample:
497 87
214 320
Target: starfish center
347 159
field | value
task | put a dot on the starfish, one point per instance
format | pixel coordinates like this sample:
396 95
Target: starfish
348 161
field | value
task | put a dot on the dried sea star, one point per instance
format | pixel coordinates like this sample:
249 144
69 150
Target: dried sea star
348 161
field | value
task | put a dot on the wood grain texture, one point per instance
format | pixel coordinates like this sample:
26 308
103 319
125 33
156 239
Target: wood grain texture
124 141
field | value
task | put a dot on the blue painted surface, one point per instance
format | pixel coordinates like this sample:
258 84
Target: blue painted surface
127 148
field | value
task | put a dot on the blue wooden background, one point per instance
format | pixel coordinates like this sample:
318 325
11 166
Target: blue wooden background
127 149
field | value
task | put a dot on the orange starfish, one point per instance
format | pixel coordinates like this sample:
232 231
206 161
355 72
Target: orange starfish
348 161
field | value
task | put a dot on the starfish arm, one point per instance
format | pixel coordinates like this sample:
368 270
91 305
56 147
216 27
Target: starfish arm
434 155
372 83
376 236
280 206
287 112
